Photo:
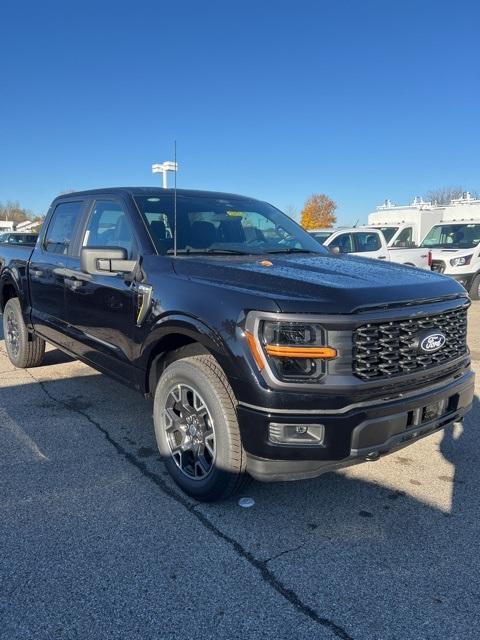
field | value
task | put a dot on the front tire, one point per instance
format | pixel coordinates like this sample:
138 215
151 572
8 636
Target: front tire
197 430
23 350
475 288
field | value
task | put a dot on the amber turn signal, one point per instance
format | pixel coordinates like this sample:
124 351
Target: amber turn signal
278 351
256 353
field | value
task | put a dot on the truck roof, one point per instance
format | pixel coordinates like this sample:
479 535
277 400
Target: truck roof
138 191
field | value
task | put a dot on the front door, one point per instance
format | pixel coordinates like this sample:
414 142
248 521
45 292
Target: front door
101 309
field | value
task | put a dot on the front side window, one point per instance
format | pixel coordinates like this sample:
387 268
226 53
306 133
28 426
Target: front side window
344 243
109 226
60 230
405 238
367 242
452 236
222 225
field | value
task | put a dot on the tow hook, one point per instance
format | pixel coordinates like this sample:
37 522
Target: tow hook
373 456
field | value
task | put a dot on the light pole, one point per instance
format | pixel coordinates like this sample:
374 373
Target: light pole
163 168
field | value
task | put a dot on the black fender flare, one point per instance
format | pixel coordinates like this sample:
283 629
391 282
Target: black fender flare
11 278
193 330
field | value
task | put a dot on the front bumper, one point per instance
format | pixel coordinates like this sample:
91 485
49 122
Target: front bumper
465 279
353 435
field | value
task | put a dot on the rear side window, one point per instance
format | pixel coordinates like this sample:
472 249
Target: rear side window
367 242
60 230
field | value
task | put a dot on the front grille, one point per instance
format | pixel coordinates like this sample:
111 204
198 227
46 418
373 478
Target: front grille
438 266
388 349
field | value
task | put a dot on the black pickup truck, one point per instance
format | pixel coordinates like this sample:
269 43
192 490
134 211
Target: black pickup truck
265 355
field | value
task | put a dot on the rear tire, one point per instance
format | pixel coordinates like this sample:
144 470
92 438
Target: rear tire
197 430
24 350
475 288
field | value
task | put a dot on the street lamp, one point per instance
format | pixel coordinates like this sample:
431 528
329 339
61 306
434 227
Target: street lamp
163 168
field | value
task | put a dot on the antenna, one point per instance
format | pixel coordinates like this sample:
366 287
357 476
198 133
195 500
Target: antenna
175 203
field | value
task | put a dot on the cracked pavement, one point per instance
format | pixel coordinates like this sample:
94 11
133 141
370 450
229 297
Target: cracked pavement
97 542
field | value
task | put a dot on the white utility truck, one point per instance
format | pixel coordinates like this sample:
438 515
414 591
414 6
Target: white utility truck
405 225
455 243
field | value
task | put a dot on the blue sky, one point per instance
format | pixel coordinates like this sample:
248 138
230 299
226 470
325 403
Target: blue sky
360 100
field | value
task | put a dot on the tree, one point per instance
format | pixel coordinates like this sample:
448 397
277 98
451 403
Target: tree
13 212
318 211
443 195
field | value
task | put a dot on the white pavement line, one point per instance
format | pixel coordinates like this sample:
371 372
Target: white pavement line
21 436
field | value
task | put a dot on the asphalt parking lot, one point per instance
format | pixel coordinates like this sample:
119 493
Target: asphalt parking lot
96 542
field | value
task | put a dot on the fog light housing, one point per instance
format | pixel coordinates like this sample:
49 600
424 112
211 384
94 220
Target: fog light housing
296 434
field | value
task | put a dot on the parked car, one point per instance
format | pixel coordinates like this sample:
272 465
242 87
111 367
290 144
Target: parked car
265 354
368 242
19 238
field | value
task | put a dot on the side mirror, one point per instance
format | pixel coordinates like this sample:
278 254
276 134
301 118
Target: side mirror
105 261
335 250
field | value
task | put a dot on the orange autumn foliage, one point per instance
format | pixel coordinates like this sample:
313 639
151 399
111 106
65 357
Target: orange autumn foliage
318 212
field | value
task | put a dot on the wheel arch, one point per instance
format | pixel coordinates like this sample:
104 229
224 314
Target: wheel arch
176 338
8 289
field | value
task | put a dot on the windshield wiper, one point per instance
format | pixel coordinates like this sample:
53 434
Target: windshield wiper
237 252
292 250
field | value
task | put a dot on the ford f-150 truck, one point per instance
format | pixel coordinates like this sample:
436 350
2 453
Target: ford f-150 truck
265 355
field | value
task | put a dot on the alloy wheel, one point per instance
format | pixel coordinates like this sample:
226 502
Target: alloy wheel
190 431
13 334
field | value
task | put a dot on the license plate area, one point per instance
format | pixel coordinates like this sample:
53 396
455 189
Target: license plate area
431 411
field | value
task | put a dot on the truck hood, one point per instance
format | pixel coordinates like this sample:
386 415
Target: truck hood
319 283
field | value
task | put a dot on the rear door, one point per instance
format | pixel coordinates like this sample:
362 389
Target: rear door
47 271
101 309
368 244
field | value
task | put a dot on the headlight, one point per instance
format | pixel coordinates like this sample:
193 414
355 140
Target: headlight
460 262
294 351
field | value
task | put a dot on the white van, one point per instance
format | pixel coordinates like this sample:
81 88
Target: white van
455 243
455 247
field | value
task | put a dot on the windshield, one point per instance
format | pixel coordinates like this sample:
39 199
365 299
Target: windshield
452 236
388 232
222 225
321 236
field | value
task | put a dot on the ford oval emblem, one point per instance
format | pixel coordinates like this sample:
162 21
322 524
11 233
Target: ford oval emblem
432 342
